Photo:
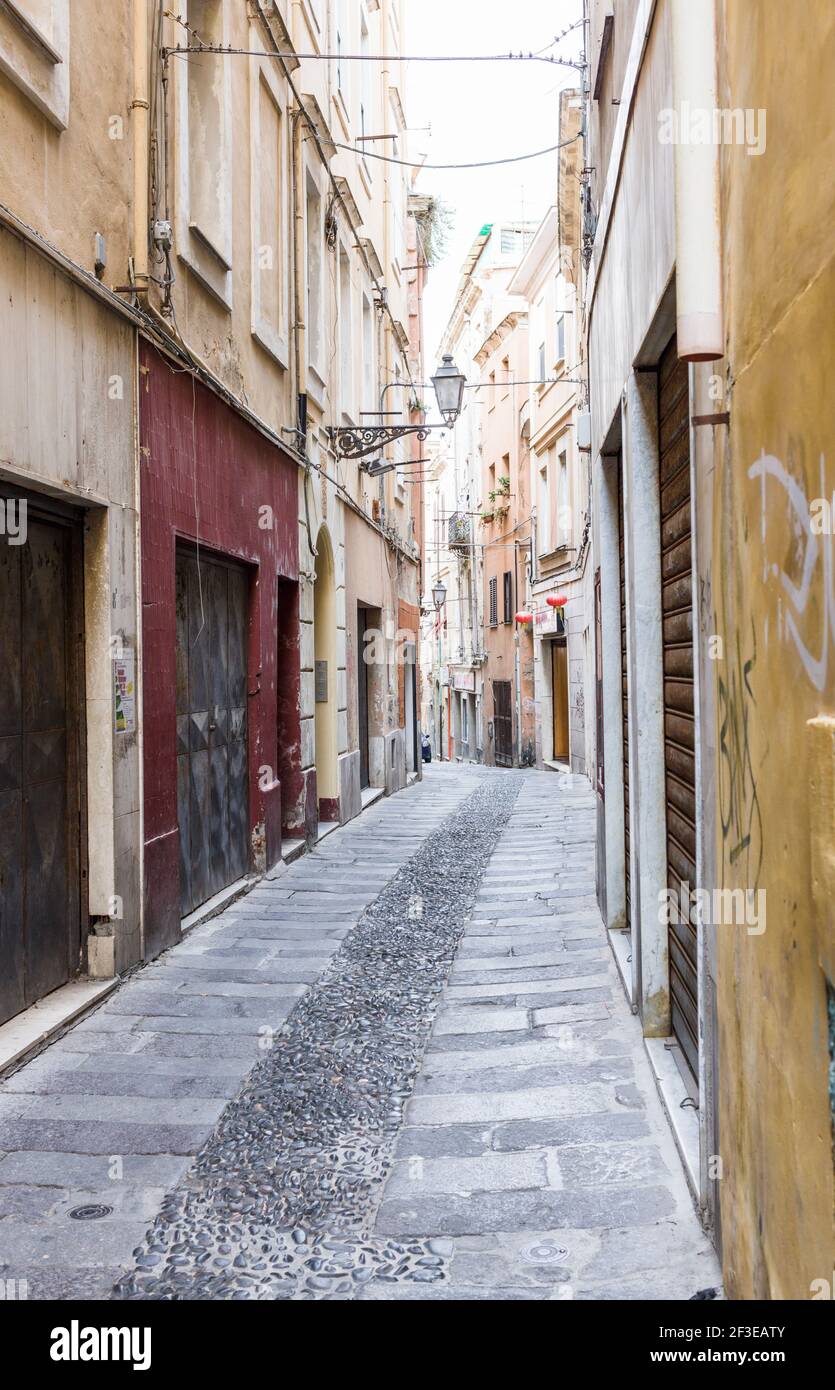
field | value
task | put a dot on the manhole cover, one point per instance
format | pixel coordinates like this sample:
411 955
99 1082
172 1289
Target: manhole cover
545 1252
93 1213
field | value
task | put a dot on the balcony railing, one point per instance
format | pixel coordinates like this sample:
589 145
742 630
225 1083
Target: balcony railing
460 531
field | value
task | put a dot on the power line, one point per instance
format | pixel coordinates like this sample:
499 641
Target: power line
477 164
541 57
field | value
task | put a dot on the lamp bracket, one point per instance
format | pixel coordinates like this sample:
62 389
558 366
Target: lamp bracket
355 441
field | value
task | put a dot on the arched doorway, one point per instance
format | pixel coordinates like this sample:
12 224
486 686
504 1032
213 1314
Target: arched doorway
324 649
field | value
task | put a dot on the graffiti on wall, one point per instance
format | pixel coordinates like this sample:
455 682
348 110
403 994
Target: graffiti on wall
739 805
806 612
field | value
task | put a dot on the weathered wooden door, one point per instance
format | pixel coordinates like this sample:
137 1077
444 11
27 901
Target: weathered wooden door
212 783
679 730
503 723
559 690
40 731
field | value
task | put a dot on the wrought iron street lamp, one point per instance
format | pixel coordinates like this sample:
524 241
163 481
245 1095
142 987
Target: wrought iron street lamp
439 595
449 389
357 441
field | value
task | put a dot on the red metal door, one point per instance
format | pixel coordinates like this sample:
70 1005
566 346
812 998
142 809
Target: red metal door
212 784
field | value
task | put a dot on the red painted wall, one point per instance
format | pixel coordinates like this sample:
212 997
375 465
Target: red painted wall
199 459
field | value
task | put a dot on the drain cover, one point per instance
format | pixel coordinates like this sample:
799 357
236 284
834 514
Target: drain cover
89 1213
545 1252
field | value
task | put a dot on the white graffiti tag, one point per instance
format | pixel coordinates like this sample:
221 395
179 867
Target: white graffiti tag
798 594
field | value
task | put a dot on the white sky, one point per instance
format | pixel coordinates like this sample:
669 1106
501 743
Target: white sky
484 111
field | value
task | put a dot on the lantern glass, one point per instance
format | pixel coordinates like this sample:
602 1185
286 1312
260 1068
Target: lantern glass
449 389
438 595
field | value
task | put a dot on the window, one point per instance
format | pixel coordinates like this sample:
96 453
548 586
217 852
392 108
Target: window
560 337
346 333
563 500
203 205
399 217
542 512
542 369
366 87
514 241
342 31
494 602
35 53
508 596
314 273
206 125
368 402
269 223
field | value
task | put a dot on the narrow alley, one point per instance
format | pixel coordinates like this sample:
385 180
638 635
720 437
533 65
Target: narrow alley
402 1068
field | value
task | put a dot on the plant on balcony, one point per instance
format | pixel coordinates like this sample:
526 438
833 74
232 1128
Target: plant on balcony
503 489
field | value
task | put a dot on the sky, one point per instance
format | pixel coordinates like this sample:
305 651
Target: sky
482 111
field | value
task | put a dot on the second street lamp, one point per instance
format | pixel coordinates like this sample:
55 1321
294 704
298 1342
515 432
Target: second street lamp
449 386
357 441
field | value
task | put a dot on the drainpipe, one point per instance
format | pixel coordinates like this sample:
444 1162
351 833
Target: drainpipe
299 279
698 247
140 110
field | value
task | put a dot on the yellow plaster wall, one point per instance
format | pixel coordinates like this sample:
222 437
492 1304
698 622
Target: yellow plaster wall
773 597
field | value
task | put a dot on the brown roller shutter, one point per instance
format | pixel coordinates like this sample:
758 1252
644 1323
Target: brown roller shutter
679 733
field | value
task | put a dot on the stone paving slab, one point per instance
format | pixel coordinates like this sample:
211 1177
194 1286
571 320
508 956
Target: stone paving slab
114 1111
527 1160
592 1189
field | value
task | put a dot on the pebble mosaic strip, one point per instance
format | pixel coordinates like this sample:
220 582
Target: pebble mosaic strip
281 1200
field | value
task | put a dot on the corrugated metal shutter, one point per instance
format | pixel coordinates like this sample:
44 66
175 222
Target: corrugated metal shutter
679 729
625 690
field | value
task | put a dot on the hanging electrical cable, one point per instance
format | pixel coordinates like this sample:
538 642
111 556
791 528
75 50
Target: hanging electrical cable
474 164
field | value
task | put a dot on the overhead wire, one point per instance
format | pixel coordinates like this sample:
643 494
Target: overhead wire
473 164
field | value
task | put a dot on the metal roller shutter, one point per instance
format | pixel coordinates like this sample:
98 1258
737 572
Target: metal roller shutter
679 731
625 693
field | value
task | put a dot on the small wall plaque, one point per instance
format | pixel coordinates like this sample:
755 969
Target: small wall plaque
321 682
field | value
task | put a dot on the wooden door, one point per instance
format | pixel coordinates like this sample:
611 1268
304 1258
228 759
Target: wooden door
41 635
503 723
559 690
212 782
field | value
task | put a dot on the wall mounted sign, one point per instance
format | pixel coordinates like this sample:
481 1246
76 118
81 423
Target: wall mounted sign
321 682
125 694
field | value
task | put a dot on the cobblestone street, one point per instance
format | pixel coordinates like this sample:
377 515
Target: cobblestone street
403 1067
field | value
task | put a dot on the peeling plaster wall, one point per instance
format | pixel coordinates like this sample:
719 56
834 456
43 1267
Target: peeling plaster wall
206 474
770 596
67 401
73 182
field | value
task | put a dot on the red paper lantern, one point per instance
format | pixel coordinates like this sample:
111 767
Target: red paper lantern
524 617
557 600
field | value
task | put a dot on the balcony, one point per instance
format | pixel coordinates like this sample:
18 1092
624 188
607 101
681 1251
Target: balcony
460 531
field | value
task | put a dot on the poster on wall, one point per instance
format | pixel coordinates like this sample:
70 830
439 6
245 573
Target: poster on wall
125 692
